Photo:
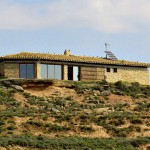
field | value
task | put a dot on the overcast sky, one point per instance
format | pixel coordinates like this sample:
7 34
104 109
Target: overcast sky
83 26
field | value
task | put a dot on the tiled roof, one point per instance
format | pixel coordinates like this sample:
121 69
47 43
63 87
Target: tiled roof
72 58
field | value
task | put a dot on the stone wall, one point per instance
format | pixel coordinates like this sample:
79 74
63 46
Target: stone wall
128 74
11 70
38 70
65 72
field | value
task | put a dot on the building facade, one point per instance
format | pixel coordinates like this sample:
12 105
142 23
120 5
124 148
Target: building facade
69 67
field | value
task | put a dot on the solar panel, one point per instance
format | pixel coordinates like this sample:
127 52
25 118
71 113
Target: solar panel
111 55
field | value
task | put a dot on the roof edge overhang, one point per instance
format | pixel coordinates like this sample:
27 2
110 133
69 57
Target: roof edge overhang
113 63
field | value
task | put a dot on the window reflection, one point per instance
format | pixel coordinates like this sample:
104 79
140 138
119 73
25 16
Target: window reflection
58 71
51 71
30 71
26 71
22 70
43 71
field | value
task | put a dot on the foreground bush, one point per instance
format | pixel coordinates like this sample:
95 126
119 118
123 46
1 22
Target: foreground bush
73 142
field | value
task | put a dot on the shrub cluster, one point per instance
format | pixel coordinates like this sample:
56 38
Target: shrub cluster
42 142
134 89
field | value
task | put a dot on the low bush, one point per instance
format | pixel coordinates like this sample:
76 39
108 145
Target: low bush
35 123
136 121
10 128
134 89
86 129
117 122
56 128
143 107
79 90
20 112
42 142
2 122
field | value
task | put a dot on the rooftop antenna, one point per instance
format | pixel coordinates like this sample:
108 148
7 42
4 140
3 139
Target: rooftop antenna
106 45
109 53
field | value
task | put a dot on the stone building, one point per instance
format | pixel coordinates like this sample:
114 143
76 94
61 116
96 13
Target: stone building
70 67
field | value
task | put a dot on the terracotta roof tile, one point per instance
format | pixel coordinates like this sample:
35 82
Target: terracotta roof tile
72 58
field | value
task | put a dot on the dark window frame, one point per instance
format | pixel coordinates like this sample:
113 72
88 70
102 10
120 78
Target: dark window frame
108 70
115 70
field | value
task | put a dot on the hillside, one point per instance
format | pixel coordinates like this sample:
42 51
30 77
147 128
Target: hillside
50 114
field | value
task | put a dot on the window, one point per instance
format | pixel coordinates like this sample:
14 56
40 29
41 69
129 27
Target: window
26 71
115 70
107 69
43 71
23 71
57 72
51 71
30 71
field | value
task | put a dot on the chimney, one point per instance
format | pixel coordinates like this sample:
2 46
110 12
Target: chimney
67 52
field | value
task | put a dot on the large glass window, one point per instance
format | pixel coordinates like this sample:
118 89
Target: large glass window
58 70
23 71
30 71
43 71
51 71
27 71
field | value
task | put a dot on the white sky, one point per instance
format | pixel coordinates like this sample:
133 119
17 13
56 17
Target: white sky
80 25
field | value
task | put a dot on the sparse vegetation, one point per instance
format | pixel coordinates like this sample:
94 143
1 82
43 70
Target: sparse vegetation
100 115
134 89
42 142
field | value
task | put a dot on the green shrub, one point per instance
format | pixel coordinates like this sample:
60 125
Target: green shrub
121 132
32 101
10 128
69 98
59 102
135 89
2 77
1 129
84 116
61 143
45 117
11 122
79 90
142 107
2 123
20 112
120 85
136 121
86 129
56 128
117 122
35 123
6 99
